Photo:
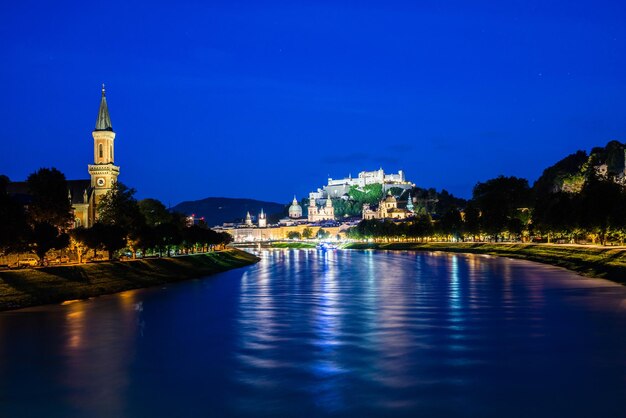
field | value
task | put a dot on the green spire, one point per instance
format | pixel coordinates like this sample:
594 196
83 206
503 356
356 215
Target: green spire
103 123
409 204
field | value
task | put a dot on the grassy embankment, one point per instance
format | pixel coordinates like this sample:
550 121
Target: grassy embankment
605 262
30 287
295 244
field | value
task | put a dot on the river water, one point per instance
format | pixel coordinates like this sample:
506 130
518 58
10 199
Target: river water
338 333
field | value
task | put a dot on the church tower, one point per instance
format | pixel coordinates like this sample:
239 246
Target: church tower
409 204
103 172
262 220
329 210
312 209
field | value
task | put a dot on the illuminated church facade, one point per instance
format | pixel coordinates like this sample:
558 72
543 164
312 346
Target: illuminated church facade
325 213
86 194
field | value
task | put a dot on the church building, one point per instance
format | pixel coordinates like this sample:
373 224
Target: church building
295 210
326 212
262 219
85 194
388 209
103 172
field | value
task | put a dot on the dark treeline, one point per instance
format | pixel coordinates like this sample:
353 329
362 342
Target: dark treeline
125 225
507 208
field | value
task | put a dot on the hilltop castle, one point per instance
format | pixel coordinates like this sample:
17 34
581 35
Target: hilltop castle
340 189
337 188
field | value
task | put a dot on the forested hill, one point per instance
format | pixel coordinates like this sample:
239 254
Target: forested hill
217 210
570 173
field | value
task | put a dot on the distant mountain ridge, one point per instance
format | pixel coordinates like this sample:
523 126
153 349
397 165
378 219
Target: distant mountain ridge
217 210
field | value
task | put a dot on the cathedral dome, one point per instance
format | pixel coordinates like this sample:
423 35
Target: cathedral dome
295 210
390 198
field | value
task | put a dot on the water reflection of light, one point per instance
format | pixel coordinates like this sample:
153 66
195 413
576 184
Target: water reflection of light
507 292
371 269
457 317
69 302
327 324
98 346
394 318
371 292
455 287
265 317
472 277
75 327
257 311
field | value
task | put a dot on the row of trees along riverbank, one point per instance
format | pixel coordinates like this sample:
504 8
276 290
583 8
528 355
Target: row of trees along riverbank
22 288
507 209
45 222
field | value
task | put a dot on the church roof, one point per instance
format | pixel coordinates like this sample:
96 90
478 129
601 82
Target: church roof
76 188
103 123
295 205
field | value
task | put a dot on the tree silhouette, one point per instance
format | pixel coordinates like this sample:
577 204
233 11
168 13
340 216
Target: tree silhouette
45 237
14 228
50 200
499 200
119 207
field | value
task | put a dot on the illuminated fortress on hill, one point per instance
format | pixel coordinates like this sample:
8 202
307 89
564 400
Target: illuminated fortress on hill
336 188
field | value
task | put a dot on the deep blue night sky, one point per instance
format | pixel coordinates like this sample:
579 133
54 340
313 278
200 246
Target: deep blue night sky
240 99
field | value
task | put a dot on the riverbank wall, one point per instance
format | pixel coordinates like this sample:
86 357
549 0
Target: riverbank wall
31 287
592 261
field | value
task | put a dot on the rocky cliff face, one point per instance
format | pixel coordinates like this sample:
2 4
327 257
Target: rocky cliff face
570 174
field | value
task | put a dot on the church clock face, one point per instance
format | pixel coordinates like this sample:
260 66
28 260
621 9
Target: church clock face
100 182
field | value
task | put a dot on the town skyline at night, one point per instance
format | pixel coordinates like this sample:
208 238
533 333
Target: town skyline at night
313 208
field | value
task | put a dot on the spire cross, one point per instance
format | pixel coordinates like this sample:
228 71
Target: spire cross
103 89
